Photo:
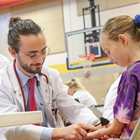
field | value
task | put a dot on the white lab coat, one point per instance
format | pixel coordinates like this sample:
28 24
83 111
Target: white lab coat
2 137
11 101
110 100
85 98
3 61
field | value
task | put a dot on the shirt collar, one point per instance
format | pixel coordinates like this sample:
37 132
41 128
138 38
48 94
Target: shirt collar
24 78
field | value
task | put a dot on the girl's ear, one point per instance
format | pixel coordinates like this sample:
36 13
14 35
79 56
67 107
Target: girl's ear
123 39
12 52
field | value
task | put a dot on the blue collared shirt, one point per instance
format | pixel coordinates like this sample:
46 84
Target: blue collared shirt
46 134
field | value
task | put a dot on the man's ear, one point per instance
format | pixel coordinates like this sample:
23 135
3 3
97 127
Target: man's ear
123 39
12 52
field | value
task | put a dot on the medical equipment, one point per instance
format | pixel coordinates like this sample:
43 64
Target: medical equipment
103 121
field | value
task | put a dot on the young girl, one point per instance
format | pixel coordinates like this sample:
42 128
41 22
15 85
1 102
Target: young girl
120 40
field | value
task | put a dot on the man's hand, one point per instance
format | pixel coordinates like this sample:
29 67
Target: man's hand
73 132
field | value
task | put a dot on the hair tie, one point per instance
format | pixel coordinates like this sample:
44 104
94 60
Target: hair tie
137 20
72 79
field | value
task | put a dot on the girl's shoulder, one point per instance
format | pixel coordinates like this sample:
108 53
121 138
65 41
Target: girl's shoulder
133 70
131 75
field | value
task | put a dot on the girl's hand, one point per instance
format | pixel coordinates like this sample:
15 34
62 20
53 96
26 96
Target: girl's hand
100 126
105 137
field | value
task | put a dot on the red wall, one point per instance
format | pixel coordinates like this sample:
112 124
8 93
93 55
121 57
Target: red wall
8 3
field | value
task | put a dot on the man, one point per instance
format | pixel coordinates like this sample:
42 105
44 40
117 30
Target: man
27 85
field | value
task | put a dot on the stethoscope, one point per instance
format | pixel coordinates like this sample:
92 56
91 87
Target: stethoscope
54 108
40 74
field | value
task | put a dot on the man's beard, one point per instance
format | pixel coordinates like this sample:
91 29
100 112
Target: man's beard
29 69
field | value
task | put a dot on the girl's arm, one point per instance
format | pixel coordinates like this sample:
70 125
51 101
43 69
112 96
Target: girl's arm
115 128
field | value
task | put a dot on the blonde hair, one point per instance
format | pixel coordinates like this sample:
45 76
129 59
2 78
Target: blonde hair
75 83
120 24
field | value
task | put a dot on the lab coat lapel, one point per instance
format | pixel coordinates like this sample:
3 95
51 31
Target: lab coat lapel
14 84
46 95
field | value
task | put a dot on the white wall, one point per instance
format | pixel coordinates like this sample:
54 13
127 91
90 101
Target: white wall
73 22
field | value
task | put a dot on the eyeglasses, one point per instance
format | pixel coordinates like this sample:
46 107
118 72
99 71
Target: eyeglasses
36 55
